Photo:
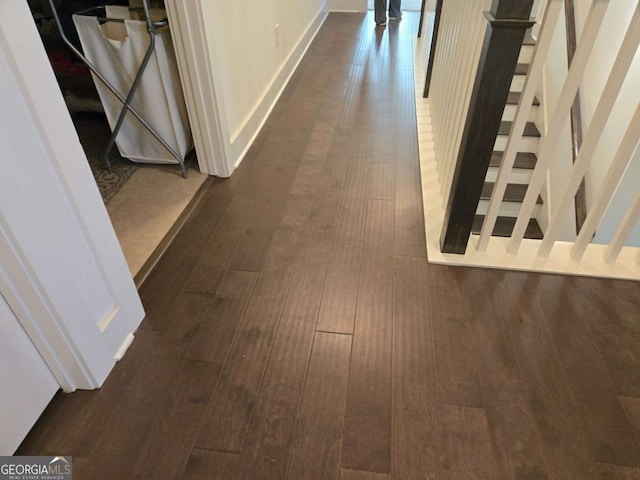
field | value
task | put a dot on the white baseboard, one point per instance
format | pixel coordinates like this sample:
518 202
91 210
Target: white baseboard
244 136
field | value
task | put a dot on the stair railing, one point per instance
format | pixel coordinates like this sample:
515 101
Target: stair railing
462 149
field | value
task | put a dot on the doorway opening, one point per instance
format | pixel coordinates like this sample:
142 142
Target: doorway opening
143 200
407 5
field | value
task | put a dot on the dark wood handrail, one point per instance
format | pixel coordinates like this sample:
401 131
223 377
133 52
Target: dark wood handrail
432 49
576 115
508 23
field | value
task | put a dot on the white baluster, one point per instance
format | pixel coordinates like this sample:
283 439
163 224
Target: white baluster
471 50
628 222
609 186
558 119
596 127
550 23
458 31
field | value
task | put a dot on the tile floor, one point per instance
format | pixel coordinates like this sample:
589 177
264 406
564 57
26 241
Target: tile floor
146 207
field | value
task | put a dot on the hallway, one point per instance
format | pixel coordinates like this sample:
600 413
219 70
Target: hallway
295 330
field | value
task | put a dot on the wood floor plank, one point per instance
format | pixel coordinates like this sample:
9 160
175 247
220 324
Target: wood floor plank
612 439
367 437
216 256
180 258
338 307
256 239
616 328
126 425
409 217
136 385
382 183
337 311
215 335
566 443
209 465
514 433
225 424
265 451
321 226
349 232
467 452
315 449
231 405
631 407
415 429
455 356
346 474
615 472
320 141
165 451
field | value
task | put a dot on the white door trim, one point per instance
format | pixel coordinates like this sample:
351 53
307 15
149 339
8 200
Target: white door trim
194 63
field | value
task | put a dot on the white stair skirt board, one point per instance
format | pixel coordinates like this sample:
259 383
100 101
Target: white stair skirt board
496 256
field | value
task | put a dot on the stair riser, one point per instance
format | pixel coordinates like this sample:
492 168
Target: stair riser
527 144
516 176
507 209
526 54
509 113
517 84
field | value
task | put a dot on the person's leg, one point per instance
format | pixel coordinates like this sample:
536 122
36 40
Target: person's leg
394 9
380 11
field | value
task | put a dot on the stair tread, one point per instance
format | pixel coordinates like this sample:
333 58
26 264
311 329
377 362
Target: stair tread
504 227
530 129
522 69
524 160
514 192
514 99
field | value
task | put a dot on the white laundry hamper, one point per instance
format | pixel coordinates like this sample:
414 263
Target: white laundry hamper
117 50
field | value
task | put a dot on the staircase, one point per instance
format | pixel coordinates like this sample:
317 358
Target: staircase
525 160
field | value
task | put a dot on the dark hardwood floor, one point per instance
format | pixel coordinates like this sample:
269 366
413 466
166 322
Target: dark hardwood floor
295 330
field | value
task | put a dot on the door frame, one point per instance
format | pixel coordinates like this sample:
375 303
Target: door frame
205 108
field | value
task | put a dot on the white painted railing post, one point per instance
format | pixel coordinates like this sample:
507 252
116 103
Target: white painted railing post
628 222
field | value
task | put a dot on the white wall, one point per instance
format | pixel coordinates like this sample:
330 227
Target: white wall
613 30
251 62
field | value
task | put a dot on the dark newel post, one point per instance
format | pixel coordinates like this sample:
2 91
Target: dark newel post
432 50
508 22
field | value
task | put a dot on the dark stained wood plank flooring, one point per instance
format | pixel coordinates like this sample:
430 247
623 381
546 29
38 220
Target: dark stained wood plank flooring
295 330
